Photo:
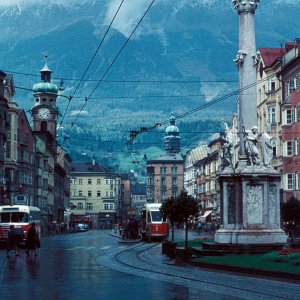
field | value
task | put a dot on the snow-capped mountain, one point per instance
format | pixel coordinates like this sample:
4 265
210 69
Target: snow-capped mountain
181 54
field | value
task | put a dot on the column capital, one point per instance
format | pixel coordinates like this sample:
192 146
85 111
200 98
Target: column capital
245 6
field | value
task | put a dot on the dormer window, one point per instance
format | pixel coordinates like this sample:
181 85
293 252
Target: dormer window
37 100
44 99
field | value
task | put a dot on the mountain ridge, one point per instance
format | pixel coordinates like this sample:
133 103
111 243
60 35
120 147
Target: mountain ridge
175 62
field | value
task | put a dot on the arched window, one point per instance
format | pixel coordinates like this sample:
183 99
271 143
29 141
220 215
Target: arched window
80 206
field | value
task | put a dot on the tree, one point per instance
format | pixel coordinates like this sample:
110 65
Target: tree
290 211
186 207
180 210
168 211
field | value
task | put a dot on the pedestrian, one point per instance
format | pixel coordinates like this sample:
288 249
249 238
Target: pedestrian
12 241
32 240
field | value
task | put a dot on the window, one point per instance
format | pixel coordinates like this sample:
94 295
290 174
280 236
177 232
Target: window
292 85
274 147
174 180
111 194
8 145
45 183
106 181
111 206
89 193
290 181
98 193
89 181
106 206
272 115
79 181
163 170
79 206
298 112
111 181
106 193
89 206
174 170
79 193
174 194
271 85
289 116
98 181
163 181
289 148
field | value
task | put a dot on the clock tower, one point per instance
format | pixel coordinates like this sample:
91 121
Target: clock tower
44 111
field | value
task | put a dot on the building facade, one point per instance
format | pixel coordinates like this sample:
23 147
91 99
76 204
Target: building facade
4 197
165 176
26 159
290 74
94 194
269 100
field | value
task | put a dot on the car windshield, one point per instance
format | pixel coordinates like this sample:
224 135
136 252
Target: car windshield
13 217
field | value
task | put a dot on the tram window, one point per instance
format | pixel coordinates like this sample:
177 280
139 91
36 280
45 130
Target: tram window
34 216
5 218
19 217
156 216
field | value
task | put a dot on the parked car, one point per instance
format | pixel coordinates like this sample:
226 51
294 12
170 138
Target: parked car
82 227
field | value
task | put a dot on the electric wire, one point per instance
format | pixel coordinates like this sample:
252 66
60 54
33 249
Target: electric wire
134 133
127 80
112 63
90 63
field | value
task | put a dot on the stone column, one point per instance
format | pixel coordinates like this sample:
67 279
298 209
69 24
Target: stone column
246 61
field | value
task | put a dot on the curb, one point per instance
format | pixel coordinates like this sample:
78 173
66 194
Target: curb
247 271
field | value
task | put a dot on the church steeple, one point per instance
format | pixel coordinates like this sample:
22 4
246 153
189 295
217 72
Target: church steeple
172 138
44 111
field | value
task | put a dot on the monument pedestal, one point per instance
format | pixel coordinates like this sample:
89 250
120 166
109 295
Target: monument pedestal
250 207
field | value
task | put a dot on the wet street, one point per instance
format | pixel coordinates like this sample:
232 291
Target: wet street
94 265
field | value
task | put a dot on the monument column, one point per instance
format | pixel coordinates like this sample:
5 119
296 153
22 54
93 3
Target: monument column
246 61
250 189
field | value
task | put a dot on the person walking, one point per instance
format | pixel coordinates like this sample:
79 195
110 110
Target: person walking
12 241
32 240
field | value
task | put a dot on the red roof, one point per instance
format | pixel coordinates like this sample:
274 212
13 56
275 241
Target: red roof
270 55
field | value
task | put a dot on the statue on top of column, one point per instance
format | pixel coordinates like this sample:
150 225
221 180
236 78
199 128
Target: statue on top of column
245 5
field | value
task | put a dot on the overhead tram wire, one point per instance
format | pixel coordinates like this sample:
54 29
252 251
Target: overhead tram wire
135 133
112 63
126 80
90 63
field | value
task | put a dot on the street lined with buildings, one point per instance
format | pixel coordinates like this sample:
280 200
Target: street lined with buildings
95 265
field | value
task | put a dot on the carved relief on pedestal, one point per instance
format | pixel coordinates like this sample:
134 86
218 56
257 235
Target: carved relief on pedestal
243 6
255 204
272 204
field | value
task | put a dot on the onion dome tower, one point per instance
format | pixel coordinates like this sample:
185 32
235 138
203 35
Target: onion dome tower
44 111
172 138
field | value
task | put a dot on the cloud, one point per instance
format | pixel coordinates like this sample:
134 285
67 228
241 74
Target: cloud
128 16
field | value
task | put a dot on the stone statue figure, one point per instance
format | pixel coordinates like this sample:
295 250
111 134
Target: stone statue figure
250 143
266 147
227 147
